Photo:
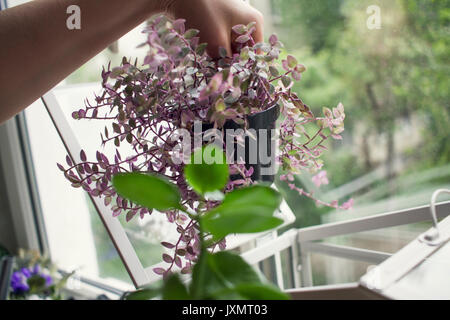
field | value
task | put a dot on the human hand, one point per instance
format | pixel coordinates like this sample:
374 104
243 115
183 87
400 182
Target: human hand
215 18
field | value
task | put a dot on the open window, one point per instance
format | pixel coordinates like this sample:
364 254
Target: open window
385 171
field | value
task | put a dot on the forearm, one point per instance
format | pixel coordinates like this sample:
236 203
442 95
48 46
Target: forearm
38 50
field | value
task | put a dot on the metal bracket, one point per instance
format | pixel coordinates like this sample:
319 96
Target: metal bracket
433 237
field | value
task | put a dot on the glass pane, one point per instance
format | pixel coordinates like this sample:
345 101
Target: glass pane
287 268
333 270
388 240
76 237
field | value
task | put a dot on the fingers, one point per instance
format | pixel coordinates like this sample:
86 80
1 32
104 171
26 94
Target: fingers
257 17
219 33
215 19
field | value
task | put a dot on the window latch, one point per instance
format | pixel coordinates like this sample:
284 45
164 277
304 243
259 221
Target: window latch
433 237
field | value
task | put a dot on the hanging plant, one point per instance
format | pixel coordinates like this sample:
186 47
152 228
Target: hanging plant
179 85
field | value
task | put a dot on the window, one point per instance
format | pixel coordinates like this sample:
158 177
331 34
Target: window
395 150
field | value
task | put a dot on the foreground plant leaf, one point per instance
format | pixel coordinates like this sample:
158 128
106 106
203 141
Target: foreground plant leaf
142 294
147 190
208 170
232 268
245 210
253 291
174 289
225 275
222 226
204 281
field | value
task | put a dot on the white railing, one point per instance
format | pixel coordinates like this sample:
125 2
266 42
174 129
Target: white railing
304 241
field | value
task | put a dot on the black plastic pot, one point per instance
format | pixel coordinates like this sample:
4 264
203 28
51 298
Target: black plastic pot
262 120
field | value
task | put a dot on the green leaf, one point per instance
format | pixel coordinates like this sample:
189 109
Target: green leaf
142 294
174 289
257 198
274 71
36 284
244 210
208 170
222 226
292 62
204 280
286 81
191 33
258 291
147 190
228 276
232 268
216 273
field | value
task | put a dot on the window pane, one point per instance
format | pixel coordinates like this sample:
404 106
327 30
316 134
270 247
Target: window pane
393 84
75 235
333 270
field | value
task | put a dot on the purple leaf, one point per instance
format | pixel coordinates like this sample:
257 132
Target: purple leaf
178 262
107 201
83 156
186 270
130 215
117 212
167 258
159 271
243 39
273 39
168 245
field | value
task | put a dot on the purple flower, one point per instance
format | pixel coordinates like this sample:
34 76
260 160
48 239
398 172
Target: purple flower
19 279
26 272
48 280
19 283
36 269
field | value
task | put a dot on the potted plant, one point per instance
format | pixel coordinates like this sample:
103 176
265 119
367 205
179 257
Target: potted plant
178 87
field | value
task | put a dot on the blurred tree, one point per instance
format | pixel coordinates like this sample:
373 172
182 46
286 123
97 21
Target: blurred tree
430 20
385 77
312 22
